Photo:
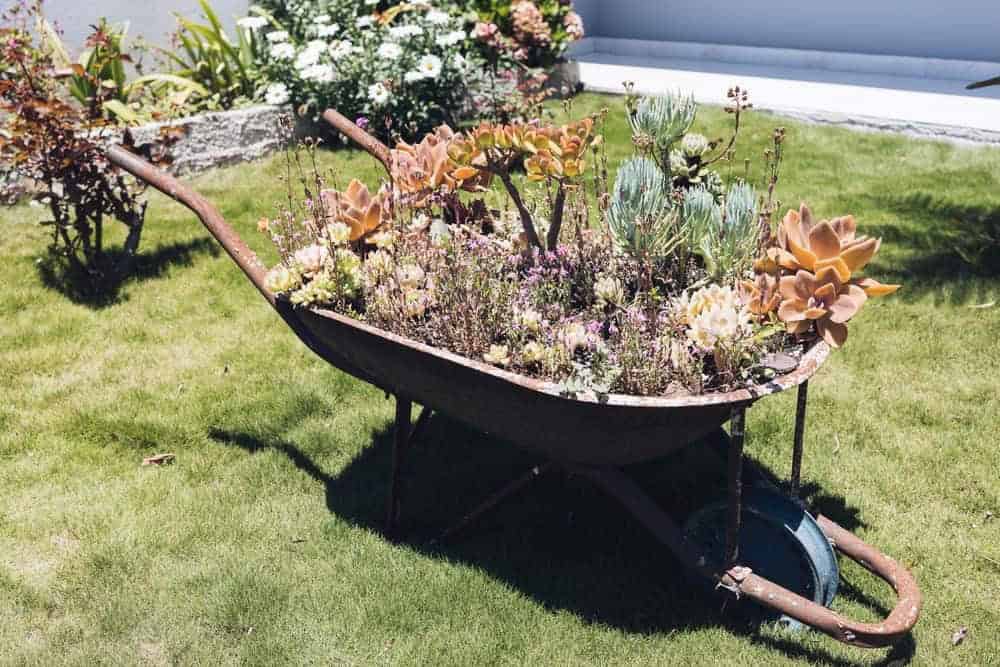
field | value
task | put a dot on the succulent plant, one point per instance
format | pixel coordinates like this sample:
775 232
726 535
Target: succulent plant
357 208
725 237
805 244
420 169
821 299
695 145
640 218
761 294
659 122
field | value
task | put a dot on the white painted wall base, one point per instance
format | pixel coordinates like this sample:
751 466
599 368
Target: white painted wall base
829 61
914 96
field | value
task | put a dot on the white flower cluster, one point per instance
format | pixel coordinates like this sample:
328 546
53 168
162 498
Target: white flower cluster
383 62
714 315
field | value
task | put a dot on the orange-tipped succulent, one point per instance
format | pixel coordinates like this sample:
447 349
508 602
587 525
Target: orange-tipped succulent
356 207
813 246
761 294
817 265
418 170
820 299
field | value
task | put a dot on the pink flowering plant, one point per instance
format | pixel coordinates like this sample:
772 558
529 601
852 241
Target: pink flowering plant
670 282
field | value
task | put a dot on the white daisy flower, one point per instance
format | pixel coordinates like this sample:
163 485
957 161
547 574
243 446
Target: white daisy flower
429 66
276 36
390 50
378 93
451 38
252 22
283 51
341 49
405 31
277 94
437 17
328 30
319 73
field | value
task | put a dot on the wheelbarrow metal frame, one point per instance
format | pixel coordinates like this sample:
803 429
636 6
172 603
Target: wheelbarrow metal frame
660 424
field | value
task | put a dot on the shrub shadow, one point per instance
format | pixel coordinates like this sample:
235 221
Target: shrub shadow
84 289
951 246
560 541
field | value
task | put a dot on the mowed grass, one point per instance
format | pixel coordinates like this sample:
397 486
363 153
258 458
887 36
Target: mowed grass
262 544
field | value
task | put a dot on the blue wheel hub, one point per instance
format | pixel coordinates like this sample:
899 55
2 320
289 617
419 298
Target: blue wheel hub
779 541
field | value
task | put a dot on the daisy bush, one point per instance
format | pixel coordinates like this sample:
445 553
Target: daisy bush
400 70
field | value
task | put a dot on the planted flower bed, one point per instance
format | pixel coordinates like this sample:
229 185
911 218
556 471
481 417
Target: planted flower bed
671 282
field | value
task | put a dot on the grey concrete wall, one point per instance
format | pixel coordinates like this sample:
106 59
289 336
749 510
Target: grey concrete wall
958 29
153 19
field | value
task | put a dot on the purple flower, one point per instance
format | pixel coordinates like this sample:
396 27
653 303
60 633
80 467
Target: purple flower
362 122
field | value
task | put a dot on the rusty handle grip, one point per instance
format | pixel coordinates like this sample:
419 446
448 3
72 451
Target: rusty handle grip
897 624
206 212
375 148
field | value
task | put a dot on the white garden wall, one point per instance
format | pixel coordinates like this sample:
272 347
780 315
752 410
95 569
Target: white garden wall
956 29
153 19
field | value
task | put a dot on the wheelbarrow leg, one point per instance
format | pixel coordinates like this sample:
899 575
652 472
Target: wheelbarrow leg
402 439
737 427
503 494
800 427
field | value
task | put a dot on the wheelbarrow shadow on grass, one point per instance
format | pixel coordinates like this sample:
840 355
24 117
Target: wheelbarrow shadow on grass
561 540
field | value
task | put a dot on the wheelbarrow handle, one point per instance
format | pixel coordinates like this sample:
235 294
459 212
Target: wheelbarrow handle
210 217
897 624
353 131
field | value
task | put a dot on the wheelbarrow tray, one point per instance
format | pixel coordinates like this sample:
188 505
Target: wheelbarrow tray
533 414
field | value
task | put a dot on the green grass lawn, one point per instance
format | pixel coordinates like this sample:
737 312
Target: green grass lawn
261 544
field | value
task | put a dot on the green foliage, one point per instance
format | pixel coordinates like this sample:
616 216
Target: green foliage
725 236
640 218
54 143
98 79
226 71
659 122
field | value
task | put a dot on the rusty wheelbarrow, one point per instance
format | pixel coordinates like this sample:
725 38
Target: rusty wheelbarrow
726 542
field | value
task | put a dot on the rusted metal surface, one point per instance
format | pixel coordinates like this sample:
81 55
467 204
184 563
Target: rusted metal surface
743 583
570 429
737 425
373 146
797 447
896 625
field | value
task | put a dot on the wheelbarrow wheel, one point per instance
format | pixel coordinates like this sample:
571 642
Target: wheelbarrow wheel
779 541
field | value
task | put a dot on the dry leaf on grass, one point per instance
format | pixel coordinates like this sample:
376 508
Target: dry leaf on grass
159 459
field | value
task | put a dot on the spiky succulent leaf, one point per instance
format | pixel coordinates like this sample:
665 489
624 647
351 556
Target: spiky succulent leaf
639 217
702 218
664 119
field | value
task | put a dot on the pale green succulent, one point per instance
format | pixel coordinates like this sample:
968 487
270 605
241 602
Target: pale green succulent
659 122
641 218
695 145
724 236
